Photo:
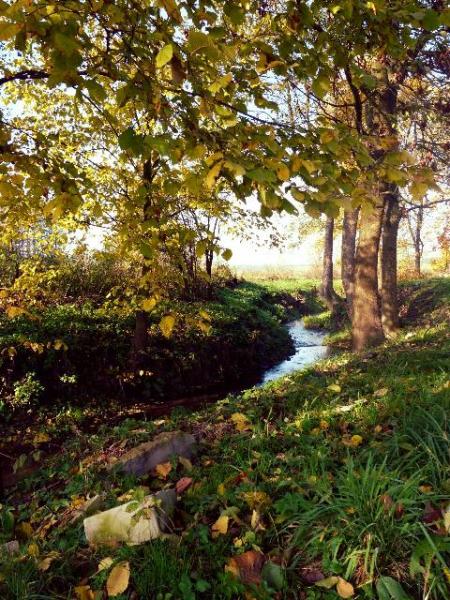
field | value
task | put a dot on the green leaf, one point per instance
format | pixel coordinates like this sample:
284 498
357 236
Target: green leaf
321 86
261 175
164 56
95 90
273 574
234 13
389 589
227 254
431 20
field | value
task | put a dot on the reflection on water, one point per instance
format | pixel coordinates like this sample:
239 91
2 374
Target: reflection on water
308 350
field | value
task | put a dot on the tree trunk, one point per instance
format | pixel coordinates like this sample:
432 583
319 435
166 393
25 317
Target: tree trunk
140 339
327 292
349 229
366 323
418 244
389 291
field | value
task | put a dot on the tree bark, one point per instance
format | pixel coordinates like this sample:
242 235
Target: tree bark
366 324
327 292
389 288
349 229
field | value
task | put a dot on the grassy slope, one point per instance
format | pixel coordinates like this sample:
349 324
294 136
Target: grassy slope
352 458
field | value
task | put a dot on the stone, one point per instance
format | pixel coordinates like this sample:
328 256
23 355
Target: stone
132 523
91 505
9 548
143 458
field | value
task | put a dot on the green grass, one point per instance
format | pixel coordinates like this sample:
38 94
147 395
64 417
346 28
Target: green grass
352 458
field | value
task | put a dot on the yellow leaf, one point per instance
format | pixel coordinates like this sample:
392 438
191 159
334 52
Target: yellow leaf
84 592
25 529
104 564
164 56
44 565
9 31
213 174
257 499
148 304
166 325
221 489
334 387
59 344
15 311
236 168
220 83
344 588
33 550
241 422
41 438
118 579
381 393
163 469
283 172
352 442
220 527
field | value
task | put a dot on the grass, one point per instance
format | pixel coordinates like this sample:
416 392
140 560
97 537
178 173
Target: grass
342 470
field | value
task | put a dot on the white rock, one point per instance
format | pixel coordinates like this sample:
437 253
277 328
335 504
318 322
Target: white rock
131 523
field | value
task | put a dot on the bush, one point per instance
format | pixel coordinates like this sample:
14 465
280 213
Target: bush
27 391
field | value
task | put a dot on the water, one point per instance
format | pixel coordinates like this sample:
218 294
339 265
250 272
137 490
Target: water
309 349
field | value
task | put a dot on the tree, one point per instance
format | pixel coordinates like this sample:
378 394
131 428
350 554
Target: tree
197 72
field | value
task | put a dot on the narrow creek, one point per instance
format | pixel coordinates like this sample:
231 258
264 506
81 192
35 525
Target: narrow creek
309 348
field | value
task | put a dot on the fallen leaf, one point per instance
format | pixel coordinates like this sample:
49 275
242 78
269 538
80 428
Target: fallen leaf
344 588
104 564
221 489
334 387
220 527
387 502
241 422
41 438
381 392
185 462
247 566
33 550
312 576
118 579
328 582
84 592
183 484
163 469
44 565
257 499
352 442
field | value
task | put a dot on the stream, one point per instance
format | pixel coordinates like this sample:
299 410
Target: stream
309 349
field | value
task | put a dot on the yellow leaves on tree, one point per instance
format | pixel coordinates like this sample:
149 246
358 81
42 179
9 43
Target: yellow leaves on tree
167 325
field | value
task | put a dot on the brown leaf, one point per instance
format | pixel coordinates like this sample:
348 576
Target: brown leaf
312 576
344 588
387 502
84 592
183 484
163 469
247 566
